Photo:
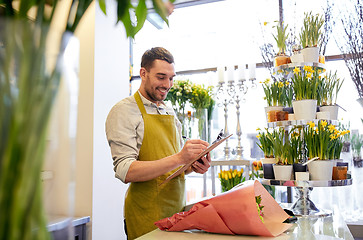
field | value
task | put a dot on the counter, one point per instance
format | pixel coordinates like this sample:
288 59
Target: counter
327 228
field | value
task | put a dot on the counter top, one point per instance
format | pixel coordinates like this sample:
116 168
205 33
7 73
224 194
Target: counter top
327 228
60 222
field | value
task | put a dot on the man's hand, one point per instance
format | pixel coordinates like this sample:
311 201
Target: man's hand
192 148
202 165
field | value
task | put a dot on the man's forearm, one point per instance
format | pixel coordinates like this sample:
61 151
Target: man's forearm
141 171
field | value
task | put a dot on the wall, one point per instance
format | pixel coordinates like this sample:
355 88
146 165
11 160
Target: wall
111 84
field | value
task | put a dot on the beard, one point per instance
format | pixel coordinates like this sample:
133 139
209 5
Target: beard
156 94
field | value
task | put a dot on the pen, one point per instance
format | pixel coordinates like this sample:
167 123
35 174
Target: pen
184 137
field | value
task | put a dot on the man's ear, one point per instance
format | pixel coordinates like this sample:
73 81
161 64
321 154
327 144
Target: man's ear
142 72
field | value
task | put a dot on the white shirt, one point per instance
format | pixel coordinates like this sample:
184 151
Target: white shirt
125 131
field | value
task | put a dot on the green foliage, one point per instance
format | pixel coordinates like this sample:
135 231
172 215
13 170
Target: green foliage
266 144
331 87
230 179
307 83
357 143
323 141
277 93
311 32
281 37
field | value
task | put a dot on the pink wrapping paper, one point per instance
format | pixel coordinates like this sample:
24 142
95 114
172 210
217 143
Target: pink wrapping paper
233 212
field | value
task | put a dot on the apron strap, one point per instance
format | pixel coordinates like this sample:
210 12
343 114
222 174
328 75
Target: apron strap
139 102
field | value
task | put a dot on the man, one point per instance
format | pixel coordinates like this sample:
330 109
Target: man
144 136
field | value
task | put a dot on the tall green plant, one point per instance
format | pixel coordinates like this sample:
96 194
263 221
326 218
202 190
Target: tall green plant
281 37
311 31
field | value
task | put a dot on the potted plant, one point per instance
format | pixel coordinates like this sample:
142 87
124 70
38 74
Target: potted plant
324 142
356 144
306 83
275 96
230 178
281 147
310 36
296 148
280 38
330 90
266 146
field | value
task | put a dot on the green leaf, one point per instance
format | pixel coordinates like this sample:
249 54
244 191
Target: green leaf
126 20
161 10
141 14
123 7
102 5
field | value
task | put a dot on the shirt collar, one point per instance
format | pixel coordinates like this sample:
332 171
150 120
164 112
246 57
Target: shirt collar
147 102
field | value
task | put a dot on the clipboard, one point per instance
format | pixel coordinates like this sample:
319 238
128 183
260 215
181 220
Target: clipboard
186 166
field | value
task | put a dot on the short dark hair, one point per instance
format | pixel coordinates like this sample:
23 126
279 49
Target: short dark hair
152 54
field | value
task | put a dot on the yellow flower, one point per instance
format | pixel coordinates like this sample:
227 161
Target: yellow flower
332 136
311 124
265 23
229 175
280 85
267 81
323 123
309 75
331 127
319 71
308 69
296 70
234 174
258 129
258 136
287 83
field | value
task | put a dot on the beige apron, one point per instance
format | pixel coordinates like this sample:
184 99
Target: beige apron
147 202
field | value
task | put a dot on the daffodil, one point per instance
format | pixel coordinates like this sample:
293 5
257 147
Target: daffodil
323 123
281 84
331 127
309 75
296 70
311 124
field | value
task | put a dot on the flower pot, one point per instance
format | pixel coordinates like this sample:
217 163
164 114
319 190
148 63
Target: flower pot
282 172
268 172
305 109
321 170
272 116
333 111
297 58
311 54
281 60
340 172
299 167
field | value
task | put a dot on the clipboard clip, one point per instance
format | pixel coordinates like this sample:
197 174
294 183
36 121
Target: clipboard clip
219 137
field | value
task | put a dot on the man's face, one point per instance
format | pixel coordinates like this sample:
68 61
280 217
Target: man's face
157 82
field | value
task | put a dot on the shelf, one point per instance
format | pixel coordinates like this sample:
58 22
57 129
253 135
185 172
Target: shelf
293 183
298 123
230 163
299 64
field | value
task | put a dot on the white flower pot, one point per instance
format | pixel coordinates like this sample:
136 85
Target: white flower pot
282 172
311 54
321 170
333 111
272 108
305 109
297 58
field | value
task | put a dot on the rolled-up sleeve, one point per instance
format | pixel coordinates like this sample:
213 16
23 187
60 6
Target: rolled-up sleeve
122 130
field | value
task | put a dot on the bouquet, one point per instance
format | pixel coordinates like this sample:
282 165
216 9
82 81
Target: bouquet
248 209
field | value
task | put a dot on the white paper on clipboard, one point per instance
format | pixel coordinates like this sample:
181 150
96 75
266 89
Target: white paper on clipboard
186 166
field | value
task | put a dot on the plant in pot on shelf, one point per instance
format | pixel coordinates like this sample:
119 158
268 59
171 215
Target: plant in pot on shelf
310 36
331 88
306 83
275 96
266 146
324 142
296 147
283 166
356 144
281 38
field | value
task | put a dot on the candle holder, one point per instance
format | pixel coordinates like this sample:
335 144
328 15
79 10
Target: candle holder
225 93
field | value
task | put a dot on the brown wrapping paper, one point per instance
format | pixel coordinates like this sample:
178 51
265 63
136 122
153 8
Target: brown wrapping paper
232 212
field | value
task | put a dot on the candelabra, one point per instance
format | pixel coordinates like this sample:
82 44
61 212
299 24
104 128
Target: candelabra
228 93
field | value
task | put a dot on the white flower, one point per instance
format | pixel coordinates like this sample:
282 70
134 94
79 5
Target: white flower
178 94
